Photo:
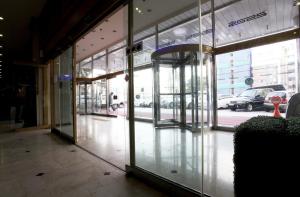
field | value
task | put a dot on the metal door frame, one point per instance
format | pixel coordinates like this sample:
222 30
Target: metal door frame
193 49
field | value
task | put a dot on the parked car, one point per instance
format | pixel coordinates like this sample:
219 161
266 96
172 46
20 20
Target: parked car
224 100
143 102
268 105
250 99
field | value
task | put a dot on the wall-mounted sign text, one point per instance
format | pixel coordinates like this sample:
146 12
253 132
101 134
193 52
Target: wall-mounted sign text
249 18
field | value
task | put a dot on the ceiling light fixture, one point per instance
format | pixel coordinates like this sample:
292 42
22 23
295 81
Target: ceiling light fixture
1 35
1 18
138 10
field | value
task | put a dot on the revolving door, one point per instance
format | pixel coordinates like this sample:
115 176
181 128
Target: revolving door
181 87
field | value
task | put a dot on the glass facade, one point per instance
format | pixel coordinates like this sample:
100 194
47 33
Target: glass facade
182 89
170 145
63 93
99 64
272 67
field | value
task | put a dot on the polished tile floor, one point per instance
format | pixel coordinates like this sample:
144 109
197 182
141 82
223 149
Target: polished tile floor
38 163
174 154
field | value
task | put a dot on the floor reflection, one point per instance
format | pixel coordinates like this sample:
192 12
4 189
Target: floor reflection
172 153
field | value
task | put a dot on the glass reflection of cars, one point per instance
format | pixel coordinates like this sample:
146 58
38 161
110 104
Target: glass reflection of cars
224 100
250 99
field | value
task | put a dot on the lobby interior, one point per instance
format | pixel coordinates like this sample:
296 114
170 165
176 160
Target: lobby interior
154 89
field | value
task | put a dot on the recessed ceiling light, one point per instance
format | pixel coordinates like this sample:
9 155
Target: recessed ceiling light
1 18
1 46
0 54
1 35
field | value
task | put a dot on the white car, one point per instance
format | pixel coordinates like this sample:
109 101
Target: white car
224 100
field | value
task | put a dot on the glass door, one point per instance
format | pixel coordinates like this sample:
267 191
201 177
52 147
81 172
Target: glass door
172 146
84 98
81 108
100 96
178 86
117 96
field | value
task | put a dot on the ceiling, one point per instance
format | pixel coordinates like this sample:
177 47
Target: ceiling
108 31
250 18
15 27
92 42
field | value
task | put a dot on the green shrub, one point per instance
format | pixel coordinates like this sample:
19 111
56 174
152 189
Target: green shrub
293 125
262 124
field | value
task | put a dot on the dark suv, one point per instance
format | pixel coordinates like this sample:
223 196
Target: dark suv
250 99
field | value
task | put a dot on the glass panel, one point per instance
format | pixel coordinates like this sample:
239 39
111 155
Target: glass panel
99 66
170 147
99 97
117 98
86 68
243 20
143 93
56 90
144 57
66 95
272 68
103 129
100 54
63 72
116 61
89 99
117 46
77 70
81 94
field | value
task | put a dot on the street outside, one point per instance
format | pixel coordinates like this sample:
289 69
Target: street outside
226 117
